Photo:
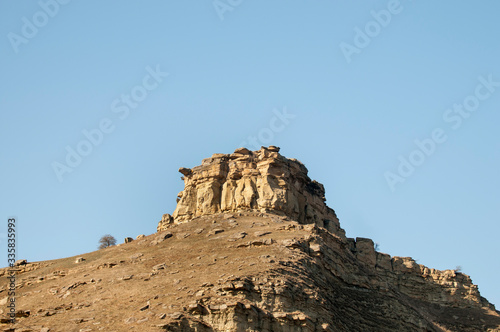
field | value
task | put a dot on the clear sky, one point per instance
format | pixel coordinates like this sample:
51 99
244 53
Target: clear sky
393 106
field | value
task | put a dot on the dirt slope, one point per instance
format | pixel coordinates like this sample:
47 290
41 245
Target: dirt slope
242 272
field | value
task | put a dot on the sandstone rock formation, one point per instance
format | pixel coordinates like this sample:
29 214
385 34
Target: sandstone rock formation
345 271
245 180
251 247
244 271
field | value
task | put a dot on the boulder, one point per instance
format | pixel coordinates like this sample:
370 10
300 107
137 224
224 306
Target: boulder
185 171
20 262
165 222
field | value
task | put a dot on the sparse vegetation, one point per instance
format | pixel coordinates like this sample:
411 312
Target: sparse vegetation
377 247
458 268
106 241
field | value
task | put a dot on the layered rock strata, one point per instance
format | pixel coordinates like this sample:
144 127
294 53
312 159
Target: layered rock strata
251 247
328 282
247 271
260 180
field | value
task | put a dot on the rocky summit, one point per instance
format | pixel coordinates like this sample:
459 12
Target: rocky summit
263 181
251 246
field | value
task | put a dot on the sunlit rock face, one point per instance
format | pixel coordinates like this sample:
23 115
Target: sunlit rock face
260 180
274 258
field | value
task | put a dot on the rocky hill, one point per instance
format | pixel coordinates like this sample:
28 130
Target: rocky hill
262 181
251 246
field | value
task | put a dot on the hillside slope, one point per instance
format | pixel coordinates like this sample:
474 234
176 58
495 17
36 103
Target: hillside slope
251 246
254 272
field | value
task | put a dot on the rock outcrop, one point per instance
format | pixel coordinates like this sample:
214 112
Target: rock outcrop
244 271
247 180
338 283
251 247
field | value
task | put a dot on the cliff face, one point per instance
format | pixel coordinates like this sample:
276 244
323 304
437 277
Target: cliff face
252 247
243 271
329 282
261 180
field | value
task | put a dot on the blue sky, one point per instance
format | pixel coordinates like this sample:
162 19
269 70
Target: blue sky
347 88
